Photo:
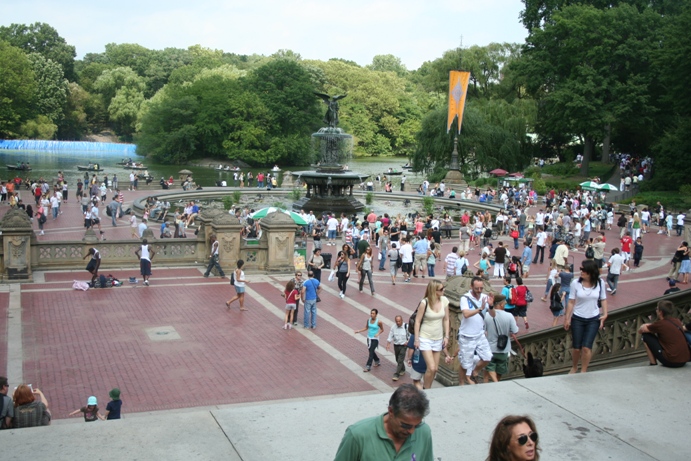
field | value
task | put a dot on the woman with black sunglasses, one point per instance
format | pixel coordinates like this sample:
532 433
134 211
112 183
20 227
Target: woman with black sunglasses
514 439
587 296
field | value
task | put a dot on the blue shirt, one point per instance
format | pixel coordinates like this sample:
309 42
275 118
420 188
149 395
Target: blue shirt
421 246
311 286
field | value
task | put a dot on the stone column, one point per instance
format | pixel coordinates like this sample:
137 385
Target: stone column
227 229
17 233
280 234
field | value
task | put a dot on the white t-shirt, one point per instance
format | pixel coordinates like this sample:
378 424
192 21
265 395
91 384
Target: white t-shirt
406 252
541 238
332 224
586 299
475 324
615 262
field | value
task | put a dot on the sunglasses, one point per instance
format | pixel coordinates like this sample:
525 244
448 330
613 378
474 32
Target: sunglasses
408 427
522 440
440 289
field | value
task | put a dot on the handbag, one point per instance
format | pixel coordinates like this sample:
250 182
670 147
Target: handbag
529 296
379 256
332 275
514 234
502 340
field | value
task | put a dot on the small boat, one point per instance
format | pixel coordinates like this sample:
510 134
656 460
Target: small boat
130 167
407 167
20 168
94 167
393 173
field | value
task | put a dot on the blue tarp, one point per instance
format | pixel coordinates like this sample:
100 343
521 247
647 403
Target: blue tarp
34 144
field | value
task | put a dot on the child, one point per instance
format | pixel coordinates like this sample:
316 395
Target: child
115 405
291 295
637 252
557 297
133 227
551 279
90 411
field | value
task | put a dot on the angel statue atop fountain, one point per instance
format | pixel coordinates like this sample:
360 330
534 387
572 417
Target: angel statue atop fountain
331 117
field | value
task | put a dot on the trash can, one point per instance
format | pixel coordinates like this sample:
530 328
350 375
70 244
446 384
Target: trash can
327 260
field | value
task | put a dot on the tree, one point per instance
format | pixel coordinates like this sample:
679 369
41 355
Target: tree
111 80
17 90
74 125
51 89
388 63
590 70
41 38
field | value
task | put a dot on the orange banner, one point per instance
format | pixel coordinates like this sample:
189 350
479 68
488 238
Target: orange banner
458 86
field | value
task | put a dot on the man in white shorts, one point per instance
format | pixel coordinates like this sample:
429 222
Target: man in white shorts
471 334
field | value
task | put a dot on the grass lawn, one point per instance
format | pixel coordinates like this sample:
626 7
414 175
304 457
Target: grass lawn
567 176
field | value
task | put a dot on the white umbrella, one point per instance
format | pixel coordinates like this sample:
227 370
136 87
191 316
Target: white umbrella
265 211
607 187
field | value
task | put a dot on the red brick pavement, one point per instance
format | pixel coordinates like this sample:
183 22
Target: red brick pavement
77 344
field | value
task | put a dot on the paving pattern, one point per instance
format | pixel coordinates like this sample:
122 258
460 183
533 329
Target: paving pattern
175 345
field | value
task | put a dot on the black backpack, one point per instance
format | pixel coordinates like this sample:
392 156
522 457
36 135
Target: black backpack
589 252
411 322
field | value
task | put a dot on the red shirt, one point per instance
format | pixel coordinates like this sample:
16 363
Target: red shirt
626 243
291 298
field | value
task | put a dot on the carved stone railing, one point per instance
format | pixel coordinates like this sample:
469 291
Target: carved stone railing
616 344
118 253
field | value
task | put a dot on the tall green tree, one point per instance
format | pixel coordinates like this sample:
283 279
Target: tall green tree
17 90
590 70
43 39
51 88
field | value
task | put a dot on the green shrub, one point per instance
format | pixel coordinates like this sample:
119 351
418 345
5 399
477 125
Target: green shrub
369 198
560 169
533 172
227 202
295 194
428 205
540 186
685 190
280 205
237 196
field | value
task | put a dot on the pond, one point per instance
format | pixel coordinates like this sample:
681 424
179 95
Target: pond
47 164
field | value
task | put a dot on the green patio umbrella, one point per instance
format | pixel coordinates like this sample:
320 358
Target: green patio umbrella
265 211
607 187
590 185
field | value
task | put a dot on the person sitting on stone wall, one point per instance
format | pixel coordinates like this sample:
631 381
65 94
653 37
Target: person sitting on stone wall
664 339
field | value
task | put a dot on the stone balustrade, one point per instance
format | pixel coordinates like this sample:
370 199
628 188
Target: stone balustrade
617 343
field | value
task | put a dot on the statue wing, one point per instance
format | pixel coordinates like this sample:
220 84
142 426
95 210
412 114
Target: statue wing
325 97
340 96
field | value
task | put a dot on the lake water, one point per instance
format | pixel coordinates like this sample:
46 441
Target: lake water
47 164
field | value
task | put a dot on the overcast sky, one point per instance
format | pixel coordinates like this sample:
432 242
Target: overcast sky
414 30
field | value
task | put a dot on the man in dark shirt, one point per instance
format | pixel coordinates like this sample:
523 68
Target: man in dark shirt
673 288
499 260
664 339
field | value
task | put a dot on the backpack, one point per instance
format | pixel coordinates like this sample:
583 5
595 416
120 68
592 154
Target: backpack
103 281
520 299
513 267
589 252
232 278
512 295
413 318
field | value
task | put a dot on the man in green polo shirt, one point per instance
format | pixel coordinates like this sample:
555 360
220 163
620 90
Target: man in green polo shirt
398 435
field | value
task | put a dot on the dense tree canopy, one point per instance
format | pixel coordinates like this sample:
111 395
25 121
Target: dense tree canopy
17 89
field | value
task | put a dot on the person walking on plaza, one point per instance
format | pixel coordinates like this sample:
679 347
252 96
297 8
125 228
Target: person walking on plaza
399 337
664 339
310 293
471 334
499 325
365 268
583 315
374 327
342 271
238 282
541 242
615 263
145 253
399 434
213 258
432 328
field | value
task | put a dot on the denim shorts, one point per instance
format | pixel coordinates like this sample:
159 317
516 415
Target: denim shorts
239 290
583 331
331 234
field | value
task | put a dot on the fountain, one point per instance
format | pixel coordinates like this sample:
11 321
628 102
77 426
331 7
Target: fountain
330 187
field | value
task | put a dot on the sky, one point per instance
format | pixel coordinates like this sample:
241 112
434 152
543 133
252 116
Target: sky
413 30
